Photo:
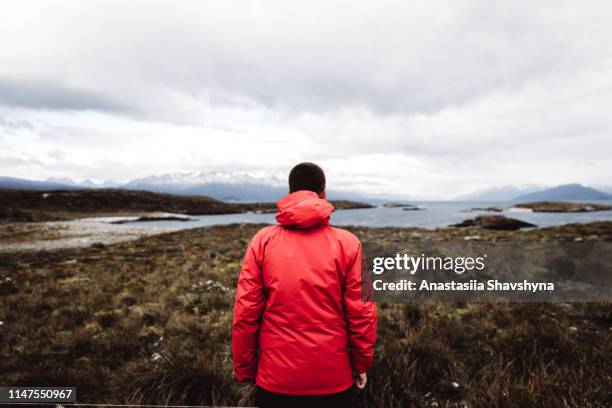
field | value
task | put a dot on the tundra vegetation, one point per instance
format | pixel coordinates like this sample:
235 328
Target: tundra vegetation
148 321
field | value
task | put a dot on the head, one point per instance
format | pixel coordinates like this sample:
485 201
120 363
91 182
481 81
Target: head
307 176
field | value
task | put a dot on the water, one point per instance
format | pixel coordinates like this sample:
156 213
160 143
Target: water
435 214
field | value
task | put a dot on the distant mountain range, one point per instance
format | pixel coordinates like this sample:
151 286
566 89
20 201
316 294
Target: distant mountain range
503 193
241 186
82 184
226 186
237 186
17 183
526 193
565 192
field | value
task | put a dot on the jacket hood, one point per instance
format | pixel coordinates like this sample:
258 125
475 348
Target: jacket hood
303 209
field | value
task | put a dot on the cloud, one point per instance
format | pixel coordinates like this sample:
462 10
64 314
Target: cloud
40 95
12 127
19 161
57 154
394 57
433 97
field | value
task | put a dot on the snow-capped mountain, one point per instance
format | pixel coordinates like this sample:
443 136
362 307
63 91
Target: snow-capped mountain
223 185
82 184
227 186
209 177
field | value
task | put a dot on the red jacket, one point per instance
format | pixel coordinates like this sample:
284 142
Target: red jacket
300 326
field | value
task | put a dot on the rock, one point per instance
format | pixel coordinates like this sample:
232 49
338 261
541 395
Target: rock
495 222
8 286
209 286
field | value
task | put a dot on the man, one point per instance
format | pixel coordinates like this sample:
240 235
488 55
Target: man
300 328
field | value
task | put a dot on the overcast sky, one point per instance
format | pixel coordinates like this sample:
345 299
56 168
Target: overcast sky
423 98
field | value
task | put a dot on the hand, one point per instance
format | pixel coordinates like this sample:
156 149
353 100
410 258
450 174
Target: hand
360 380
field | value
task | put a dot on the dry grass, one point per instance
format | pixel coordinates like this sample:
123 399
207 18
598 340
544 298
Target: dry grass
27 232
139 322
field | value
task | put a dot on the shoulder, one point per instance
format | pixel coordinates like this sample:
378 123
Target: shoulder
345 237
349 245
259 241
264 234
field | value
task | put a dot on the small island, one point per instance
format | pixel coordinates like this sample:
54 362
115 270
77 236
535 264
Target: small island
349 205
413 208
562 207
490 209
495 222
394 204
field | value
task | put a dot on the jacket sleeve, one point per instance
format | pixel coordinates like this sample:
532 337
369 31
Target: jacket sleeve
361 317
248 310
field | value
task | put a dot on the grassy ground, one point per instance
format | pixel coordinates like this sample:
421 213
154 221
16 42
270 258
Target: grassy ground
148 321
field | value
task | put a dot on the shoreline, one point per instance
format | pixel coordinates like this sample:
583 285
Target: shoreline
92 231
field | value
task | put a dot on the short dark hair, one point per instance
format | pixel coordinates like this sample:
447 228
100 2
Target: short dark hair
307 176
